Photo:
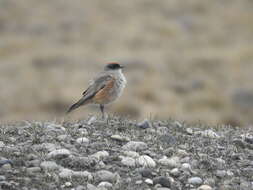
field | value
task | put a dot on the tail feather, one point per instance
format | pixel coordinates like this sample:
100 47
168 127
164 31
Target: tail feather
81 102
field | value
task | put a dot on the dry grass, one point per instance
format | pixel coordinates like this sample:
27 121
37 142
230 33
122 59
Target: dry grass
184 59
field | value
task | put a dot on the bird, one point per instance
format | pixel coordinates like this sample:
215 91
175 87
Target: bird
104 89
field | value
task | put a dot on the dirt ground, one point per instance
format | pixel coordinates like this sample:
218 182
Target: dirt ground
190 60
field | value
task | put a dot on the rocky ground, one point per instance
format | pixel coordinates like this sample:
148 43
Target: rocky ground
121 154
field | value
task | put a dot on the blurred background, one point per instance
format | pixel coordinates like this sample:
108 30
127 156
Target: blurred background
189 60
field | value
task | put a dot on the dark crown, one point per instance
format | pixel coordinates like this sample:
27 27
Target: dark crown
113 66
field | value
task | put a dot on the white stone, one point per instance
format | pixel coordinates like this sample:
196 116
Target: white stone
205 187
175 172
209 133
100 155
172 162
146 161
49 165
186 167
66 173
132 154
149 181
128 161
59 153
135 146
105 184
82 140
120 138
195 181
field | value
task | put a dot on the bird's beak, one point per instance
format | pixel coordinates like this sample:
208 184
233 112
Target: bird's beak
121 66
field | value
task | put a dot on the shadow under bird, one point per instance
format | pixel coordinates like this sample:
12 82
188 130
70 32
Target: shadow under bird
105 88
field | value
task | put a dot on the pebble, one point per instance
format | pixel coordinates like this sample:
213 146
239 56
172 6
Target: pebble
162 188
149 181
82 140
135 146
33 170
2 144
62 137
49 165
91 187
144 124
104 175
48 146
145 161
195 181
146 172
128 161
138 182
131 154
163 181
92 120
60 153
172 162
55 127
186 167
120 138
105 184
5 163
80 187
100 155
175 172
205 187
2 178
189 131
66 173
209 133
68 184
182 153
221 173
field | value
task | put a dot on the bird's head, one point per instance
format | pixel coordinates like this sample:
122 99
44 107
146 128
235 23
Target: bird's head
113 67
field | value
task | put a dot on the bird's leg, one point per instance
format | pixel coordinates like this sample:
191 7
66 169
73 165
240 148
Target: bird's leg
102 110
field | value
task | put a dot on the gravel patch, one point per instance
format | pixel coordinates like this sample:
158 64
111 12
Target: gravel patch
165 155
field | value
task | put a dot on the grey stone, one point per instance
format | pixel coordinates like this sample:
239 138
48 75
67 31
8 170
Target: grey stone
163 181
135 146
62 137
104 175
66 173
146 172
33 170
80 187
91 187
195 181
221 173
49 165
144 124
